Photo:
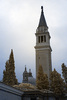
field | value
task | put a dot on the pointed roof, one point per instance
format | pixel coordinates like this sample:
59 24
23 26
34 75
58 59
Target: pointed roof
42 21
25 69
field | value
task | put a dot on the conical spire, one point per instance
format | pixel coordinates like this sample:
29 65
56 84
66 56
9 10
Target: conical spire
25 68
42 21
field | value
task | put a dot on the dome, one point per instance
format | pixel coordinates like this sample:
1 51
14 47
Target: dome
32 80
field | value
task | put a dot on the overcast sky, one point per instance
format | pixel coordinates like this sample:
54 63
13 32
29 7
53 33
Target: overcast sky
18 23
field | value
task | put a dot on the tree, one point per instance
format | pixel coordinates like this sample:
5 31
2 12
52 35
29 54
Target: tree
9 72
46 82
57 83
64 72
42 79
6 73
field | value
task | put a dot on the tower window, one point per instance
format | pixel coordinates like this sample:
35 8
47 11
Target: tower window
41 38
38 39
44 38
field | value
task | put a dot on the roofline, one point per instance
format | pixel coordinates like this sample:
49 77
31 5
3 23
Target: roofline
10 89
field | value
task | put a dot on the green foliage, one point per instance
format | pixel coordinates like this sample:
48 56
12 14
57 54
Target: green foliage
46 82
9 77
57 83
63 69
64 72
6 73
42 79
25 86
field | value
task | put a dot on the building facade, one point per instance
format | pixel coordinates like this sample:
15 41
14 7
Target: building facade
9 93
43 48
13 93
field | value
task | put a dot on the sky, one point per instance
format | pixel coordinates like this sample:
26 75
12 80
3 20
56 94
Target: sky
19 20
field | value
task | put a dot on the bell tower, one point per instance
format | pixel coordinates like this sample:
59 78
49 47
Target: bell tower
43 48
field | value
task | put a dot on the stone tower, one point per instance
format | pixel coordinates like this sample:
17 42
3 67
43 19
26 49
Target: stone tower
43 49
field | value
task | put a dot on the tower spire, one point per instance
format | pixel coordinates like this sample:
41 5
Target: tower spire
42 47
42 21
42 8
25 68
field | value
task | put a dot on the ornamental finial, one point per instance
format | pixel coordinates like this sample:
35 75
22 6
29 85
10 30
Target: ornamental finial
42 8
